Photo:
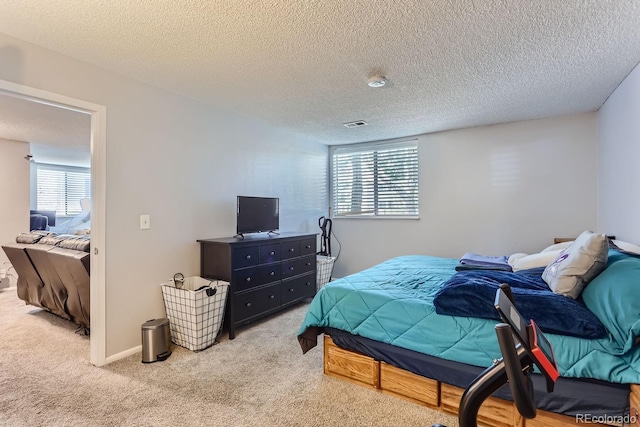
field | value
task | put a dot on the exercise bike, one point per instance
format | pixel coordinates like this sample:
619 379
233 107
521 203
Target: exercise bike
515 366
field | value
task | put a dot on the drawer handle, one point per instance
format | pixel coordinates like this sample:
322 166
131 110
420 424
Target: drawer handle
308 283
248 257
292 250
272 273
272 253
272 296
308 247
290 289
248 279
308 264
291 268
248 304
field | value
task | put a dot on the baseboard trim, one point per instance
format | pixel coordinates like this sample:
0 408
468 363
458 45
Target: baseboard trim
123 354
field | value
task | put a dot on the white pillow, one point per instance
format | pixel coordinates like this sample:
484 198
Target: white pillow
514 257
577 265
627 247
542 259
557 246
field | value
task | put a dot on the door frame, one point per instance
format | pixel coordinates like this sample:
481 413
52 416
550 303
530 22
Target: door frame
98 337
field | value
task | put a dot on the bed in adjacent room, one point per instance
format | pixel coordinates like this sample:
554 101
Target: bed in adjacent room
413 326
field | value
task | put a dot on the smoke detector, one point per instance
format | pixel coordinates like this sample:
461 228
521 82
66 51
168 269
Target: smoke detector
377 81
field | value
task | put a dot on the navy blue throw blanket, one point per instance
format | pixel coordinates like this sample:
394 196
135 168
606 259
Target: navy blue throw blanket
472 293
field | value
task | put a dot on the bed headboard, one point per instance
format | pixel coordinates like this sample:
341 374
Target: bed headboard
570 239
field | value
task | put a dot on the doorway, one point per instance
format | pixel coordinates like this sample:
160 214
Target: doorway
97 113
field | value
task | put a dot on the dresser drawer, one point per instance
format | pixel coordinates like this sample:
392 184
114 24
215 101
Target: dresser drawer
300 287
252 303
251 277
308 246
245 257
270 273
269 253
297 266
291 249
247 278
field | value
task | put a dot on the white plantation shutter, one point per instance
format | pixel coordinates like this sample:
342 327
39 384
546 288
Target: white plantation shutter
60 188
375 180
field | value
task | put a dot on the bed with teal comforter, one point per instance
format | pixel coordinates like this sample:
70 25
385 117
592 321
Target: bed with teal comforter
393 303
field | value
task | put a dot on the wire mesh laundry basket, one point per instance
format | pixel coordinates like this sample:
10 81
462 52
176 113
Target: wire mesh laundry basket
324 266
195 309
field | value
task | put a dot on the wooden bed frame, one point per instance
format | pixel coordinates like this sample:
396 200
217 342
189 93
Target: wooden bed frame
365 371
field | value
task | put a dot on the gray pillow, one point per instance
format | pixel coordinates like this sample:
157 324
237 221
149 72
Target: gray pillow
52 239
578 264
31 237
79 243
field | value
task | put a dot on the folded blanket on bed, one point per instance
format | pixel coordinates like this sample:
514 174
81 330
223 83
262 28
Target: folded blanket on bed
472 294
471 261
466 267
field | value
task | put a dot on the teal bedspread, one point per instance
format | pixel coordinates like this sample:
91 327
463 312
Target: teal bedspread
392 302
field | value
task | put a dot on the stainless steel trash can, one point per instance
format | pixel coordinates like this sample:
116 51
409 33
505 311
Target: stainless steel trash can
156 340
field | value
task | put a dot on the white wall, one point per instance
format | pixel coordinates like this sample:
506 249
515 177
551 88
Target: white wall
493 190
14 193
618 160
183 163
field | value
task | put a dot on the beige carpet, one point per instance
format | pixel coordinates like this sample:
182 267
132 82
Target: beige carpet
259 379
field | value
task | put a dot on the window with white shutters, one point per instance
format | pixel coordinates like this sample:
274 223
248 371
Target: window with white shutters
60 188
375 180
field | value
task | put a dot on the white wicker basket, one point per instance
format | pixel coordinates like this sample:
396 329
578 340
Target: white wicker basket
195 311
324 266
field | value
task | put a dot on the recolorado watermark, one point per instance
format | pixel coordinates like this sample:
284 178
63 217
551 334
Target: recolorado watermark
606 419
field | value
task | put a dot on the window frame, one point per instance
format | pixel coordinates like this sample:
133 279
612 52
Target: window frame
366 147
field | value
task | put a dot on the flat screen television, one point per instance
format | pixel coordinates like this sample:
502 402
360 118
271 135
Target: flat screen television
257 214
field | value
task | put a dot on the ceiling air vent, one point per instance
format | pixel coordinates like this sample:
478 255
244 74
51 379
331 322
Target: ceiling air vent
355 124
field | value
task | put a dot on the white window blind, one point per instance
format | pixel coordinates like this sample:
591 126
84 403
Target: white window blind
60 188
375 180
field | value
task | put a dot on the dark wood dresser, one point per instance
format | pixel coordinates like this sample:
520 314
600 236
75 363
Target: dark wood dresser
267 273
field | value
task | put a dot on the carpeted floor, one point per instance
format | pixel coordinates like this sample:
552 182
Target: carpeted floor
259 379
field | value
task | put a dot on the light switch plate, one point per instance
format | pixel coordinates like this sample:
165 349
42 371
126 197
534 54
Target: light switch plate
145 222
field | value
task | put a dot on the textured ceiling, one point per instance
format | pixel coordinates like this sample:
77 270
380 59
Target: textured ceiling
56 135
304 65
